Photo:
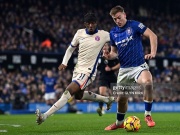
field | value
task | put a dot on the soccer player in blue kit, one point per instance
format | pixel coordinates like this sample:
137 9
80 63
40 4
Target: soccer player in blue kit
126 44
49 87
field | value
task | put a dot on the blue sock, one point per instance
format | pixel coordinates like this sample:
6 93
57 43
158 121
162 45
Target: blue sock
148 105
120 116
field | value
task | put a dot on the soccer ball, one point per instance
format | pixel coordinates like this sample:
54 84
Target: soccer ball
132 124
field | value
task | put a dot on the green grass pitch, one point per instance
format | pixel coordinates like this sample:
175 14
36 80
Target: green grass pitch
85 124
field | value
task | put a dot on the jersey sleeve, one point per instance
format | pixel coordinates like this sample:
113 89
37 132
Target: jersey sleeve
139 27
75 40
112 43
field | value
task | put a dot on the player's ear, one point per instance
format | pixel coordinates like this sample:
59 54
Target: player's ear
124 14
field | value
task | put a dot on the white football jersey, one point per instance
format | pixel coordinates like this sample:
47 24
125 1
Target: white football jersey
89 50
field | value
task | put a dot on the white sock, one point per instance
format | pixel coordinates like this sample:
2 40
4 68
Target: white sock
147 113
59 104
94 97
119 122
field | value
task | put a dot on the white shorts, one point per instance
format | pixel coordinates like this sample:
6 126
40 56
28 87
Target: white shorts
83 80
130 75
49 96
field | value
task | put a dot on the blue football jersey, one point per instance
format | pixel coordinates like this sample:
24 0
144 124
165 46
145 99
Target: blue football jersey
50 83
128 40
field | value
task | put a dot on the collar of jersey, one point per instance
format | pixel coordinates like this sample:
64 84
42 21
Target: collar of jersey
87 32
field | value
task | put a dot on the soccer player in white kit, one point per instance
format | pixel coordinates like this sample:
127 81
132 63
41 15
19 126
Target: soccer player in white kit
90 41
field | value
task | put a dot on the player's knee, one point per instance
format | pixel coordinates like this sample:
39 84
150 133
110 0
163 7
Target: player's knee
73 88
78 96
103 93
148 81
68 91
148 85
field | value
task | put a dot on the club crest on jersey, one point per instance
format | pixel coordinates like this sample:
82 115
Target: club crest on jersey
97 38
129 31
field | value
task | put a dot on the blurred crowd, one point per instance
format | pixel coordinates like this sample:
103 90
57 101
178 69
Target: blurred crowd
25 85
49 25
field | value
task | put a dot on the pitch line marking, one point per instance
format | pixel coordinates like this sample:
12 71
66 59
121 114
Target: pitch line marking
13 125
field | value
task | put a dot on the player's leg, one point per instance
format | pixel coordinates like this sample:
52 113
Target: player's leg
52 98
51 102
103 92
70 91
145 79
87 95
48 102
46 98
122 105
104 85
122 102
91 96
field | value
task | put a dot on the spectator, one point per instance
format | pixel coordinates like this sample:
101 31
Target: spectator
25 25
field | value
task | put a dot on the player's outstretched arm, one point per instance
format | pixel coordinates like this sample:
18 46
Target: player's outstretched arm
153 42
66 58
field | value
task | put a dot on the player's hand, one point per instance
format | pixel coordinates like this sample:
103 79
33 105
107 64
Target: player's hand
107 68
62 67
149 56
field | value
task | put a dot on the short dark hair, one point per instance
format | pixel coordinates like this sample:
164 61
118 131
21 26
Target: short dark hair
116 9
90 17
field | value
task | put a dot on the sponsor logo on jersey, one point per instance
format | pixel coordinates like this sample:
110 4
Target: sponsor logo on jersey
141 26
125 41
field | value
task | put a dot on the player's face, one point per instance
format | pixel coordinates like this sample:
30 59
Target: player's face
90 26
49 74
106 47
120 19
